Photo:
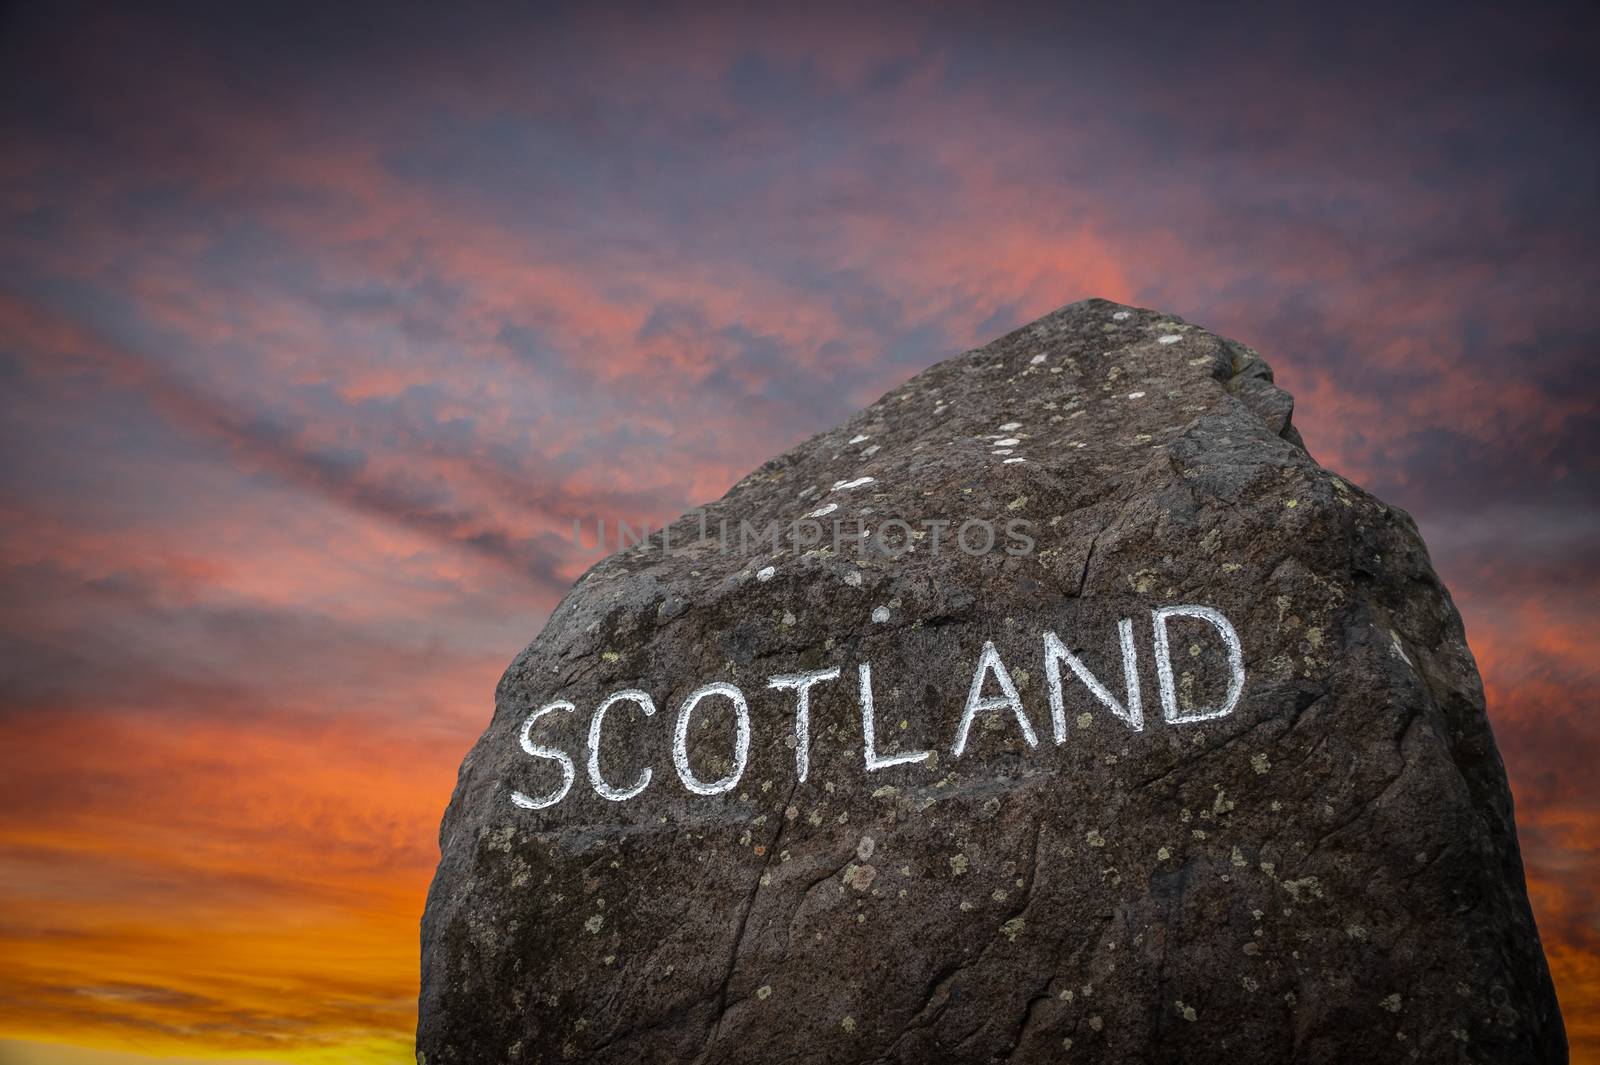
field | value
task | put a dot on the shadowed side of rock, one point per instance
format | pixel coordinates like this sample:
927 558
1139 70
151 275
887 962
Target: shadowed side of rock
1189 763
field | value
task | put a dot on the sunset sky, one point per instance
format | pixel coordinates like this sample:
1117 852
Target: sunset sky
318 330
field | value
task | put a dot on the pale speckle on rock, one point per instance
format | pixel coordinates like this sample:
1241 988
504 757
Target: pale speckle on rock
860 877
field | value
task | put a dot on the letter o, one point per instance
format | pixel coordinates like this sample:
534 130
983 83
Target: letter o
741 741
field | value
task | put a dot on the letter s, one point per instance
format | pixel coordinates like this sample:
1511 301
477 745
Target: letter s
1018 530
568 771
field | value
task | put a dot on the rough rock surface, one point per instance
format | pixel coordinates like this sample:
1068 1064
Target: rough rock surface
1327 873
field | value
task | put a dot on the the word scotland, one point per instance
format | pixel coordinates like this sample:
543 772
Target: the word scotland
989 675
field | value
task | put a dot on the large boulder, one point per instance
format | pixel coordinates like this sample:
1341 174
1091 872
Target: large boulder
1190 763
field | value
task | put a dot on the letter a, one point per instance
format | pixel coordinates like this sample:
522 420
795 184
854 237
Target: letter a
977 703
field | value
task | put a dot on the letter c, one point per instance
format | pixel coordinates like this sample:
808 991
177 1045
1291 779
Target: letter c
604 790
